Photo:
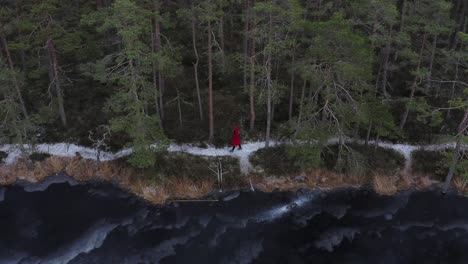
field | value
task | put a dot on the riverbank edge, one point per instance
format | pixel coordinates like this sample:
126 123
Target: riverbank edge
184 189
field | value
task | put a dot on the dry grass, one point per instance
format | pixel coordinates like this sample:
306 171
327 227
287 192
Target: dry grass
6 176
329 179
406 181
172 188
384 184
269 184
313 179
460 184
153 194
424 182
185 188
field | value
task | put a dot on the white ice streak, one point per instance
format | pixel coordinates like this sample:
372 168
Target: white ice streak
168 247
332 238
246 253
281 210
92 239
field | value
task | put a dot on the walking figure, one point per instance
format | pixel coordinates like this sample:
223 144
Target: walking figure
235 139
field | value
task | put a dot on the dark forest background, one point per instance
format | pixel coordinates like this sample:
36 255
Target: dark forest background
140 71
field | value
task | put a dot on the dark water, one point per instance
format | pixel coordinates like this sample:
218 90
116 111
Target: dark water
63 222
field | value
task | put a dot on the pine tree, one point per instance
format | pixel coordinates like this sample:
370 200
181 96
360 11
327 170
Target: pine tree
274 20
129 69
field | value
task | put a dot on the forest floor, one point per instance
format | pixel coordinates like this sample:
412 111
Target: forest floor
81 164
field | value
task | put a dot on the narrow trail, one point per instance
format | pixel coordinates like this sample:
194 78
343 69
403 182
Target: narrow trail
71 150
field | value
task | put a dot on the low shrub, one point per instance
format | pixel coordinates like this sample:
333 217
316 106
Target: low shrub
3 156
35 156
275 161
427 162
361 159
355 159
191 166
437 163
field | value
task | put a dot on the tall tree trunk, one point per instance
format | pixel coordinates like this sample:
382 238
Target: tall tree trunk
301 107
453 166
406 113
251 35
291 90
460 18
379 73
431 64
452 90
414 85
339 159
246 40
376 143
269 84
15 79
56 80
385 71
269 97
18 20
179 107
221 40
195 65
402 22
210 81
139 109
157 31
369 129
155 75
403 14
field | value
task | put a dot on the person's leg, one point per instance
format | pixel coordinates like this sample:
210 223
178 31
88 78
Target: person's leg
233 147
240 147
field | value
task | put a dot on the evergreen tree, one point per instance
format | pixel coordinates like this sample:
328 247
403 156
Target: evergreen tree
129 69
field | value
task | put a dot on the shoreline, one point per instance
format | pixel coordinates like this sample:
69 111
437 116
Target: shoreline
182 188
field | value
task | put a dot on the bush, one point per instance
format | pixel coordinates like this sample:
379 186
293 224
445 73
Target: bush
142 158
305 156
3 156
361 159
191 166
437 163
35 156
275 161
427 162
355 159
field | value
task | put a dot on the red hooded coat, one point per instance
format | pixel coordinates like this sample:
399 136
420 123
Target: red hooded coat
235 139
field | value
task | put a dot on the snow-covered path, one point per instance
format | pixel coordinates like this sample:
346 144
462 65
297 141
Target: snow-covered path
70 150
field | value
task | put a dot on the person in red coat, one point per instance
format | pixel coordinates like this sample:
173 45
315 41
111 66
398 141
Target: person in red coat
235 139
